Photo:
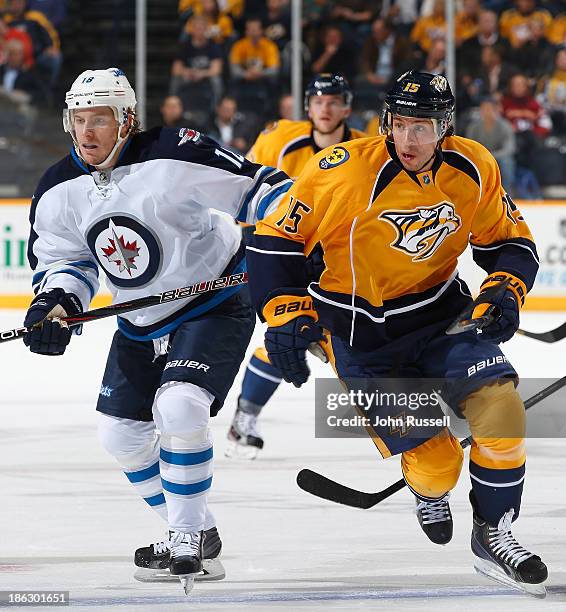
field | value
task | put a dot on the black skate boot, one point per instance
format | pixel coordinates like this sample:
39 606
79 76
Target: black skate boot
245 439
186 556
153 561
500 557
435 519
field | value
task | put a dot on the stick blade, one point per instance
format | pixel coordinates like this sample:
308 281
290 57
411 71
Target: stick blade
554 335
319 485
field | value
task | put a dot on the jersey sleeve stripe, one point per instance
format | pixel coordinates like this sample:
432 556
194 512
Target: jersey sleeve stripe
260 176
262 243
271 197
84 264
264 252
76 274
519 242
277 177
516 256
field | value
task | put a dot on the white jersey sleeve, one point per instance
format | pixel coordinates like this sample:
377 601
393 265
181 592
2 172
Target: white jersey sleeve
57 251
226 180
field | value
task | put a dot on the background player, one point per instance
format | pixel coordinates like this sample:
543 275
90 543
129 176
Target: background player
288 145
393 214
138 205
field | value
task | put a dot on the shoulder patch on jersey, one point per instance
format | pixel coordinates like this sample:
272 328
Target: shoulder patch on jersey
188 135
270 127
337 156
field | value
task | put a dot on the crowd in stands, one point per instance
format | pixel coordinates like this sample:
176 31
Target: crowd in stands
510 55
231 72
30 49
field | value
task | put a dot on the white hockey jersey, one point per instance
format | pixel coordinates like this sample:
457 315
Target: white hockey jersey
151 224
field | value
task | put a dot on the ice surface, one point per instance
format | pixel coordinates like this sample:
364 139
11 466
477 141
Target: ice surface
70 520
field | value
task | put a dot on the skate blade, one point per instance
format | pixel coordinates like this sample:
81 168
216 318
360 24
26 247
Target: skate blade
212 570
144 574
494 572
187 582
241 451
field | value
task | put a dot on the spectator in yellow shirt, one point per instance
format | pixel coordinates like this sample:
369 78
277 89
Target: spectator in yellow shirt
254 67
557 30
514 23
220 27
431 28
254 57
467 21
187 8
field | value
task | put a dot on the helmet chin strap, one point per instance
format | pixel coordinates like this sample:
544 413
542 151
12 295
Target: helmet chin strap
426 162
105 164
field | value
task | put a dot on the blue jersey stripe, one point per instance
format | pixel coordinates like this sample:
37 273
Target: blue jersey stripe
145 474
187 489
175 458
37 278
243 214
85 263
78 275
155 500
268 199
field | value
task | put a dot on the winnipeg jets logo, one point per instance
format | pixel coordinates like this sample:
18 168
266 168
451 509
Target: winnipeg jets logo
120 252
129 252
420 232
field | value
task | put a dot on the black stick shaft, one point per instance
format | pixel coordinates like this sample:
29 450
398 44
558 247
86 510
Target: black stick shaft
151 300
319 485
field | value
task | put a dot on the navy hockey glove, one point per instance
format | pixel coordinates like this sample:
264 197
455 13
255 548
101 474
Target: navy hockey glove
289 335
49 335
506 310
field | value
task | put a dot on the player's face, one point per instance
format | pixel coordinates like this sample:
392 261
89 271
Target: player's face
327 112
415 141
96 132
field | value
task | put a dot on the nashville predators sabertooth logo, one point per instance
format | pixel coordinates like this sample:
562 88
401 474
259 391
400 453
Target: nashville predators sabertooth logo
421 231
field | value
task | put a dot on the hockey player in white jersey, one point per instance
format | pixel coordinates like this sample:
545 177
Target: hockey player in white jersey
140 206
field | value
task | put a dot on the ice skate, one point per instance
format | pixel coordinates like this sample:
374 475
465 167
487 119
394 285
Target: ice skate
435 519
245 441
500 557
186 556
152 561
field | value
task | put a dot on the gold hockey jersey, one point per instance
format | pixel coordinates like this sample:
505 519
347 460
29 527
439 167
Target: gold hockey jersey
391 237
288 145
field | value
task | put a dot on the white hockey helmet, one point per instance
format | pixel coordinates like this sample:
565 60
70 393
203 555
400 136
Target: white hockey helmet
109 87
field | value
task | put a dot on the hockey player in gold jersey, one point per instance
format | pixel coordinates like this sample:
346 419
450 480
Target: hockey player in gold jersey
288 145
392 214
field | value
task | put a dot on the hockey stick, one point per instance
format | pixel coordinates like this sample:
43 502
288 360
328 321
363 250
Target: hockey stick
554 335
151 300
317 484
